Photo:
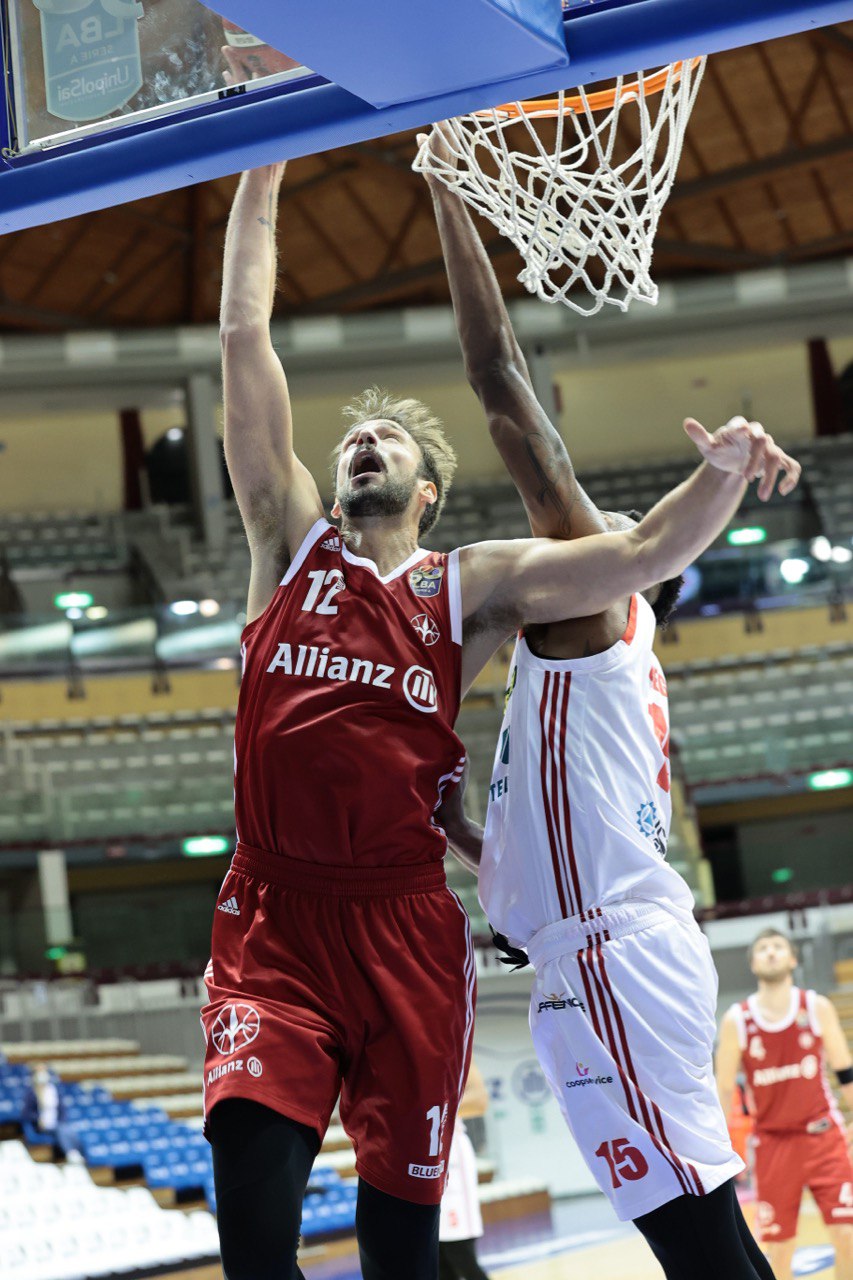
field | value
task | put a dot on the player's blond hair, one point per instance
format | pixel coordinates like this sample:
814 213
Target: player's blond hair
438 454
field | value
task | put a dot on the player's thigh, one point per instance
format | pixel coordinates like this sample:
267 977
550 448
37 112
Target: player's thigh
272 1020
780 1175
829 1175
261 1165
411 1045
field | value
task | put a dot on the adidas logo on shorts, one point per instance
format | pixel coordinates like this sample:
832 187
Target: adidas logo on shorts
229 907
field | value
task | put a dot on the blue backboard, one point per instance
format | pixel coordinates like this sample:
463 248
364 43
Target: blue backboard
378 68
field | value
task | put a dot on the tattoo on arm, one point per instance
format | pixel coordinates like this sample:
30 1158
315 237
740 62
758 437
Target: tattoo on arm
554 478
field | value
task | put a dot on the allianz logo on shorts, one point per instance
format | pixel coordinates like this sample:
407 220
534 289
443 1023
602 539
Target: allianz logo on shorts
426 1170
235 1027
805 1070
584 1078
561 1001
418 683
254 1067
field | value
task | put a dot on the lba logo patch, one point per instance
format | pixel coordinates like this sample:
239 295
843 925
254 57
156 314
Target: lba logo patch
426 628
234 1027
419 688
426 581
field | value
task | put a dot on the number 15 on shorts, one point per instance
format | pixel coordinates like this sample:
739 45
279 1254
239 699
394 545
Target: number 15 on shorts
626 1163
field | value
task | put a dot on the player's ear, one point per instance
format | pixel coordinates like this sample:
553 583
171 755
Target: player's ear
429 492
336 510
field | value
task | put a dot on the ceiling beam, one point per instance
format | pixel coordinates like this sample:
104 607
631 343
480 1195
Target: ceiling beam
15 315
791 158
833 39
389 282
721 256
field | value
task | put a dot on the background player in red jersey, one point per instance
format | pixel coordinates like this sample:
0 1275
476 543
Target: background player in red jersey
784 1038
324 976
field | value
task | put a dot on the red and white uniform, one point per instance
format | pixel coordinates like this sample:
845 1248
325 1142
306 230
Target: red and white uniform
799 1138
574 869
335 938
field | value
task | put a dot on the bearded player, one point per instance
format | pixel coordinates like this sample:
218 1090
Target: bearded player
573 865
783 1038
325 974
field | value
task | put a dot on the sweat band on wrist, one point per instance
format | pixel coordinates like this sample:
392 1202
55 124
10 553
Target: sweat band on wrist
845 1075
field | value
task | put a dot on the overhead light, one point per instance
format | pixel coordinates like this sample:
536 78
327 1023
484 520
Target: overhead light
205 846
184 608
746 537
73 600
208 608
73 614
175 434
842 555
821 548
830 779
97 612
794 570
782 875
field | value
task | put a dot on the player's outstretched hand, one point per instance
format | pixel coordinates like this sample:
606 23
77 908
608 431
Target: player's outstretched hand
745 449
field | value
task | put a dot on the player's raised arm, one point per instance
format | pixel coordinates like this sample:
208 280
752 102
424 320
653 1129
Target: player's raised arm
277 496
507 584
727 1061
532 450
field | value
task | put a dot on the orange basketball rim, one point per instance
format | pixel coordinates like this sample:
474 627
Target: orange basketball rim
601 100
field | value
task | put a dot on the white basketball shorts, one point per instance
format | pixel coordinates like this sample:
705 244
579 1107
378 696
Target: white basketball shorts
623 1019
461 1218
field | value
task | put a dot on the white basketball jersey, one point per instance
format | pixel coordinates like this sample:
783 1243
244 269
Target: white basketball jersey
579 804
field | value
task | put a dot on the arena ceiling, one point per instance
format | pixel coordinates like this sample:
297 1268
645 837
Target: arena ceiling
766 179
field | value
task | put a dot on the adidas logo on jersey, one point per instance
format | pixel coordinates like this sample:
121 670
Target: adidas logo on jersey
229 907
331 544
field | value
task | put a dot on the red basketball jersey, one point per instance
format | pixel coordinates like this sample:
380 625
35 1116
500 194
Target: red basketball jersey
785 1065
344 739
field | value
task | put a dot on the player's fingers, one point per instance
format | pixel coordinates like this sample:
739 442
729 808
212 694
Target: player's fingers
755 465
793 471
697 433
772 465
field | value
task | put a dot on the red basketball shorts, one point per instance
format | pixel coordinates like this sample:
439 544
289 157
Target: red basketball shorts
359 982
785 1163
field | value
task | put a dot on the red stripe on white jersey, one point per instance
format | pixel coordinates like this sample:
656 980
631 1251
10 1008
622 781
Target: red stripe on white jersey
544 760
561 751
668 1151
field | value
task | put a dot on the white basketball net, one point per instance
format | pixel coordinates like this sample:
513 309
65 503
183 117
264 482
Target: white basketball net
570 188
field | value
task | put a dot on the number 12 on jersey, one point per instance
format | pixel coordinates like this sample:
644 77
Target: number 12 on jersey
329 584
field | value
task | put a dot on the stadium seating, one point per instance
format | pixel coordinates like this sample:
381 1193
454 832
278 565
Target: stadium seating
92 1231
176 565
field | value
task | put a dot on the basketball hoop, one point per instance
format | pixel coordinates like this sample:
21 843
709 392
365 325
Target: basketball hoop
558 178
